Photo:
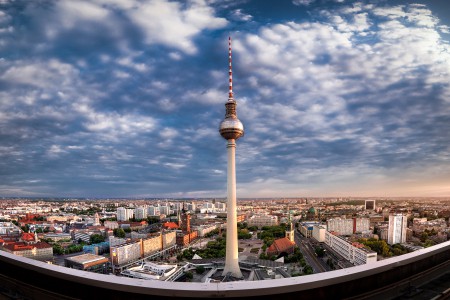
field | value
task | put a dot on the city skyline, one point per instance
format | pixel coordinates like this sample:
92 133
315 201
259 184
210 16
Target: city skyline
123 98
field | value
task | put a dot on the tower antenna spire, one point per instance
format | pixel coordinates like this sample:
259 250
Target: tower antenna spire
230 71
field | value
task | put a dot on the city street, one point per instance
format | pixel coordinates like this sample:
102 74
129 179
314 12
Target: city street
309 254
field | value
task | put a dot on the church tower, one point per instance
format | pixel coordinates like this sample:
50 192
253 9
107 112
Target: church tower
290 230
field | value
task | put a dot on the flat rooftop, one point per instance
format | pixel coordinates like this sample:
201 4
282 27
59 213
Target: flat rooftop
86 258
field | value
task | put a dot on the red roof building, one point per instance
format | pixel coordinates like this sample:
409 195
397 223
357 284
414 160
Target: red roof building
39 250
170 225
282 245
27 237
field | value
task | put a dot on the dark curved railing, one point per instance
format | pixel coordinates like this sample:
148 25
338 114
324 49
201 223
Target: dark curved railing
27 278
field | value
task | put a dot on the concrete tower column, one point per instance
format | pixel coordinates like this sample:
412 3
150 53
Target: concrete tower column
231 260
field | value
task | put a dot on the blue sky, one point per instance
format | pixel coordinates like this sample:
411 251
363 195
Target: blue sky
123 98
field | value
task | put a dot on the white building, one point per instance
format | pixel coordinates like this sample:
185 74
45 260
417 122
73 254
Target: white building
124 214
342 226
397 229
219 206
153 211
355 253
318 233
190 206
205 229
262 220
361 225
140 213
125 253
111 224
153 271
348 226
306 228
164 210
8 228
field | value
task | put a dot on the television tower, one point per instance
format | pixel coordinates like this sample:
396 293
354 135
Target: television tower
231 129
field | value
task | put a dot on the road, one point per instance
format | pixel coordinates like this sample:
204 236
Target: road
309 253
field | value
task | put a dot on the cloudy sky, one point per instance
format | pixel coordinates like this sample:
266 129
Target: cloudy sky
123 98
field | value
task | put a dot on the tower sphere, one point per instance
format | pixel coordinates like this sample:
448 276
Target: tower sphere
231 128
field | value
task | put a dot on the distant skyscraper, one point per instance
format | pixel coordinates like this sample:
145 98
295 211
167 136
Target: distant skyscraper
397 229
231 129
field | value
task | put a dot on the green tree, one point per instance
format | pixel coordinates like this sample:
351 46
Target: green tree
96 238
189 276
119 232
152 219
243 234
200 269
308 270
319 251
253 228
423 237
58 249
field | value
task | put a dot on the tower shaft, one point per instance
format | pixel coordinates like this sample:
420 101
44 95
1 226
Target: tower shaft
231 129
231 258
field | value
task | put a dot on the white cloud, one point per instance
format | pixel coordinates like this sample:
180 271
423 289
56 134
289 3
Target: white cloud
302 2
170 24
168 133
112 125
39 74
160 21
239 15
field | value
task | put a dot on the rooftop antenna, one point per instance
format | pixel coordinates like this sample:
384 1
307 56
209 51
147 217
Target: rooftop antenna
230 71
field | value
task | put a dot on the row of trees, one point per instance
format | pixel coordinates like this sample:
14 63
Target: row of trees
269 233
244 225
214 249
59 249
382 248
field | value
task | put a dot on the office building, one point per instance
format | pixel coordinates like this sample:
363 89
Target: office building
355 253
261 220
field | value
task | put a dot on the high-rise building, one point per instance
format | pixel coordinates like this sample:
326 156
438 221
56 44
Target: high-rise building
361 225
397 229
153 211
140 213
340 226
124 214
121 214
231 129
164 210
